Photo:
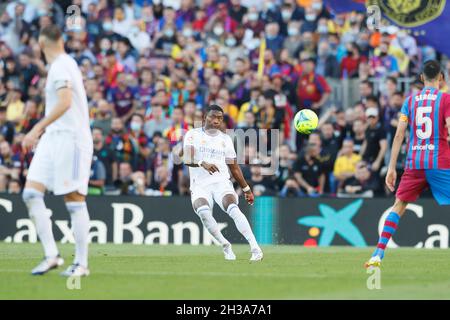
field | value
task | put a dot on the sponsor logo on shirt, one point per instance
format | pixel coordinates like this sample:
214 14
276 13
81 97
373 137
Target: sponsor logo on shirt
424 147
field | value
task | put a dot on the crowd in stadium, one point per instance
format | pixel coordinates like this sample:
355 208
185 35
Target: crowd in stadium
150 68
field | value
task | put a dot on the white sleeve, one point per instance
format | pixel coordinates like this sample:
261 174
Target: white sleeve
230 153
61 77
188 139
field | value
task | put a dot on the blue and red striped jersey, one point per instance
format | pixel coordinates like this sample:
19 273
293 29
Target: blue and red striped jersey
428 146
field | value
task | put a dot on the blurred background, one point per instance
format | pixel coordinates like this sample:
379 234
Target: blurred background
151 67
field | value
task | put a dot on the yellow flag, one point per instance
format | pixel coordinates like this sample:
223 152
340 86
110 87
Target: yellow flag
262 49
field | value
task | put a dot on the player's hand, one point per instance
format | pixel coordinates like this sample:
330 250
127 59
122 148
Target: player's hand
211 168
31 138
391 177
249 197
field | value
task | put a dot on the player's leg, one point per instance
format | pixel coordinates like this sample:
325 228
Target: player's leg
230 206
40 178
71 172
389 228
33 196
412 183
439 181
79 216
203 208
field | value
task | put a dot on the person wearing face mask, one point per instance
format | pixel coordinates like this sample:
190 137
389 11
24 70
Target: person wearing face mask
327 65
140 140
383 64
274 40
165 41
320 10
253 22
350 64
293 39
310 23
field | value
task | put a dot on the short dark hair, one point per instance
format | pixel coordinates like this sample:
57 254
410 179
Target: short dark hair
370 84
431 70
213 107
51 32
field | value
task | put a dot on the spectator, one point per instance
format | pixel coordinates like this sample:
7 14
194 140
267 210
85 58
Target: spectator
178 128
103 117
345 165
97 178
157 122
309 173
137 135
350 64
327 65
7 128
384 64
124 147
123 183
105 155
122 97
375 144
260 184
313 91
362 184
162 182
14 186
358 135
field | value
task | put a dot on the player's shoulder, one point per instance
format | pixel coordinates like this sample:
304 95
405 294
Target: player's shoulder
63 62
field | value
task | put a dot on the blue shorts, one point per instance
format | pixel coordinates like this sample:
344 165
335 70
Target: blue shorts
439 182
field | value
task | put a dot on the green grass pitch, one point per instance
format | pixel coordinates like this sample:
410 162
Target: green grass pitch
199 272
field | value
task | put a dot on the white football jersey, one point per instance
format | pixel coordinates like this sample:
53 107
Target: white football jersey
212 149
64 72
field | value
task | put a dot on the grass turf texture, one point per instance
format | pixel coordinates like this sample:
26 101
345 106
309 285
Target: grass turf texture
200 272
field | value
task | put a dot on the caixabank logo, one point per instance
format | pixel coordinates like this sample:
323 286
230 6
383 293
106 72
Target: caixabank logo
410 13
332 222
360 222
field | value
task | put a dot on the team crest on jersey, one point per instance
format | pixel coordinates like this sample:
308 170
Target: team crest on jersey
410 13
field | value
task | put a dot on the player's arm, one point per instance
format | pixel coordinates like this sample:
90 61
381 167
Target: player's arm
189 160
391 176
64 101
236 172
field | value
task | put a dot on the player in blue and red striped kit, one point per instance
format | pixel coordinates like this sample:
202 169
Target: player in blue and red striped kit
428 162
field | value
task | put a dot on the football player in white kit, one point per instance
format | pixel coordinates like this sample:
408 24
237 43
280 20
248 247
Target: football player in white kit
63 155
211 157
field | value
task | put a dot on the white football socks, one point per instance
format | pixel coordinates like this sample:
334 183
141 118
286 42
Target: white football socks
208 221
34 200
80 226
242 225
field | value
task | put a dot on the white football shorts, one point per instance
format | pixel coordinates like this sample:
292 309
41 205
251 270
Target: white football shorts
213 193
61 163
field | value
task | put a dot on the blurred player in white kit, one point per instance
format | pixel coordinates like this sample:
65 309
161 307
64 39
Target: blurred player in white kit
63 155
211 157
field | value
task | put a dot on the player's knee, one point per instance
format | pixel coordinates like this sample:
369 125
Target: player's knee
34 200
29 194
203 211
233 210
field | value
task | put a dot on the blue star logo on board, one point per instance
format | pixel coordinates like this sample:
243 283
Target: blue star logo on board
332 222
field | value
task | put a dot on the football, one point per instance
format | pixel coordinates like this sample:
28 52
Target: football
306 121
